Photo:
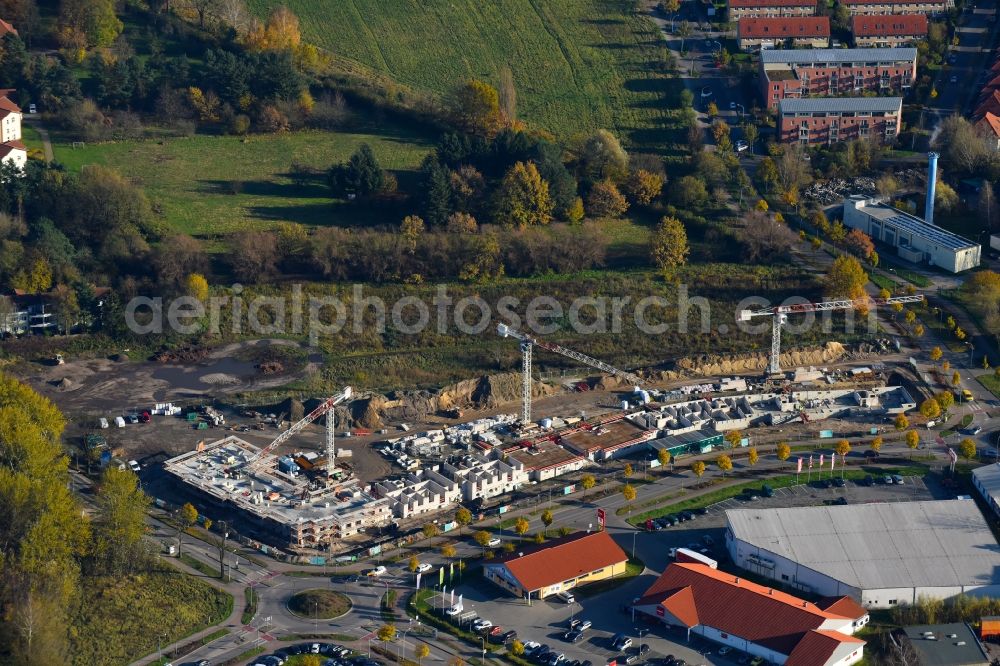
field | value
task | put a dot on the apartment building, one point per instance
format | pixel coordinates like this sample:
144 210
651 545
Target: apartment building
881 31
828 120
421 492
738 9
926 7
795 31
831 72
12 150
480 478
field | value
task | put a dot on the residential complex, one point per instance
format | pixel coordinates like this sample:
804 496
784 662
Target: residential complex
797 31
738 9
827 120
888 31
880 554
927 7
562 564
752 618
831 72
914 239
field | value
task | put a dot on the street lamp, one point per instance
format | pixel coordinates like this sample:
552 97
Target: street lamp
641 633
634 534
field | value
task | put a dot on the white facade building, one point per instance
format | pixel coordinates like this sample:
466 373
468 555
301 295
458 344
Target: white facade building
12 151
482 478
914 239
881 554
423 491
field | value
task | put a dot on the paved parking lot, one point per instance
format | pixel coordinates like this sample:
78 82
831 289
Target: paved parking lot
546 621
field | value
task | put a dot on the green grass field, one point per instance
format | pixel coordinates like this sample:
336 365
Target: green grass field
209 185
578 64
120 619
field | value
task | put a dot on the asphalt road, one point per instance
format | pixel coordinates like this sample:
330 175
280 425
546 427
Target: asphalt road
958 83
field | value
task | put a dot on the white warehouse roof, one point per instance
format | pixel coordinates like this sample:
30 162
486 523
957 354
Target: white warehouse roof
882 545
988 478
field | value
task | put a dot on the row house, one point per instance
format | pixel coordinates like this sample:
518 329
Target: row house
423 491
832 72
881 31
926 7
738 9
795 31
480 478
829 120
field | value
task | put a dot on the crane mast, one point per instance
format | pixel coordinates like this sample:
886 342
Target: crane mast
325 407
526 344
780 314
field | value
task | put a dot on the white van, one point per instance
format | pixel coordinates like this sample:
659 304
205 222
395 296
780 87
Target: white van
566 597
102 422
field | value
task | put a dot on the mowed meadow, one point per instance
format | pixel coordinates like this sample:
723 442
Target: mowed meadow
578 65
210 186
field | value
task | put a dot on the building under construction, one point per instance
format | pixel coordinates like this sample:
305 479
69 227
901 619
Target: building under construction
294 498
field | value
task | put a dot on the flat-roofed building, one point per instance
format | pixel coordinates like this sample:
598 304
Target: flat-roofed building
914 239
798 73
754 32
738 9
888 31
881 554
829 120
953 644
929 7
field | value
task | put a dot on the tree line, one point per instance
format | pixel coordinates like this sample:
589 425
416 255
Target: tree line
48 547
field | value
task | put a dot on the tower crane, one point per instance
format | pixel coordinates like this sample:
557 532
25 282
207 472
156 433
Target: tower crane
527 342
780 316
325 407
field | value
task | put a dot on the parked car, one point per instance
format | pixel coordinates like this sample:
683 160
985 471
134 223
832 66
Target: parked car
701 511
573 636
840 501
586 624
976 430
630 658
376 572
621 642
897 479
887 479
643 648
687 515
531 647
868 480
493 543
566 597
767 491
454 610
134 466
839 483
425 567
724 650
741 145
481 625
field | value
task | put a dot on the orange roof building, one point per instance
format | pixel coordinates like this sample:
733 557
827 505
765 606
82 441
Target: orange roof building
559 565
755 619
6 29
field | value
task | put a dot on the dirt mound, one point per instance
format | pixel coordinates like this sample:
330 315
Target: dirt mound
486 392
63 383
119 358
710 365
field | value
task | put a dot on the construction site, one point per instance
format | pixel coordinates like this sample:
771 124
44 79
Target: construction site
313 501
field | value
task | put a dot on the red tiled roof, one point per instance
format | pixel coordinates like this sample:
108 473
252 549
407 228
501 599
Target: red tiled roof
817 646
734 605
784 27
894 25
988 88
10 146
989 105
6 28
563 559
750 4
7 105
843 606
992 121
